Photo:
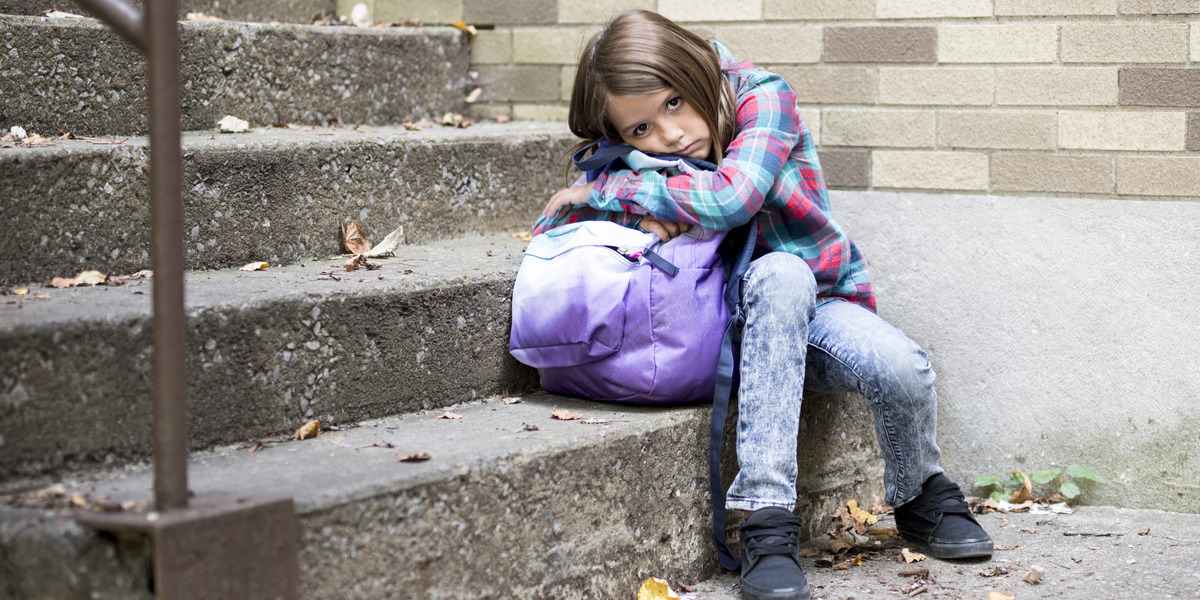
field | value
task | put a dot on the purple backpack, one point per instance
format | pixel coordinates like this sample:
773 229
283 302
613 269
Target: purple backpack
610 313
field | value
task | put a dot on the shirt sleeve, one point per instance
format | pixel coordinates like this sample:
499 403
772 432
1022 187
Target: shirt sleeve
583 213
768 128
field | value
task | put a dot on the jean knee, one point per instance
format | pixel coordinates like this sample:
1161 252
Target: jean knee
782 279
905 371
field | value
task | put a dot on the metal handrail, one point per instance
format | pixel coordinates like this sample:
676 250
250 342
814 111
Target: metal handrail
156 34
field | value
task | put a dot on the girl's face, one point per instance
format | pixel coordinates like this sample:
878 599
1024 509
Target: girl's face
660 122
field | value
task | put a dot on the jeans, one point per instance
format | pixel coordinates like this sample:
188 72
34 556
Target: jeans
790 343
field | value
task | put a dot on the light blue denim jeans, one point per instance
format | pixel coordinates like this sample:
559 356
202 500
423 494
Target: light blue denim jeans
789 343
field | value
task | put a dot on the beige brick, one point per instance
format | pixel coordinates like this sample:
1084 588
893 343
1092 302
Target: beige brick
936 85
685 11
1026 130
425 11
831 85
819 9
932 9
878 128
881 44
845 168
1047 8
557 46
812 118
1030 172
1125 42
540 112
510 12
1024 43
780 44
519 84
1159 7
929 170
492 47
1144 131
596 12
1057 86
567 79
1158 176
1195 54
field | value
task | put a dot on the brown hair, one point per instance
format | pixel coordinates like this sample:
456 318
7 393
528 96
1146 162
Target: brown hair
640 53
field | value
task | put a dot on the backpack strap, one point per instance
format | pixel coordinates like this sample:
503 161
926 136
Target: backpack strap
737 265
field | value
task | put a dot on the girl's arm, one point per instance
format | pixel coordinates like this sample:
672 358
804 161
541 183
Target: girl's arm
768 128
550 219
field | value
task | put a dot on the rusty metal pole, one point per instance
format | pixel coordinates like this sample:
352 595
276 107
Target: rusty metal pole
166 246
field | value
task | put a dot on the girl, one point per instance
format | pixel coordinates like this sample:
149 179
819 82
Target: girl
809 309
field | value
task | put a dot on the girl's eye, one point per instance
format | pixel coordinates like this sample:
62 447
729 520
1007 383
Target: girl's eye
674 103
639 130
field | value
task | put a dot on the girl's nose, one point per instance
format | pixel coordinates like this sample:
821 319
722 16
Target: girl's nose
673 134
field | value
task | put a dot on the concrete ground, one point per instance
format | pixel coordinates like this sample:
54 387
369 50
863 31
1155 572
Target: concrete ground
1094 553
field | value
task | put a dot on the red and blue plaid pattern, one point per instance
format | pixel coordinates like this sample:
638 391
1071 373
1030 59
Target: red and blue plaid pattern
770 172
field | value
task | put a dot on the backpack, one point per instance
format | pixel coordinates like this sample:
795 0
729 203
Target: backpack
610 313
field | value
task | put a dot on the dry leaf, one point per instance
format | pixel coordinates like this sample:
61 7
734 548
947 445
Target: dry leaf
391 242
511 400
409 125
199 16
456 120
232 124
418 457
354 240
999 596
839 545
501 118
524 236
1024 494
1035 574
656 589
62 282
861 515
310 429
473 96
914 572
90 278
1145 531
809 552
463 26
449 415
594 421
564 415
884 533
911 557
23 291
254 266
353 262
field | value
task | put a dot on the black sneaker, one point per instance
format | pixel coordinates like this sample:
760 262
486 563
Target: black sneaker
940 521
771 556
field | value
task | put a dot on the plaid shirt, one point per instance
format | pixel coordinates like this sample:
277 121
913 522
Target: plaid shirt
770 172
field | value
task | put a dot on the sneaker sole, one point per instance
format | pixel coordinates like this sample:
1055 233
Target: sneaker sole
802 594
981 549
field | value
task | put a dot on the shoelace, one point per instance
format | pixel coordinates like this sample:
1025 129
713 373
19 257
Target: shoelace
948 500
781 536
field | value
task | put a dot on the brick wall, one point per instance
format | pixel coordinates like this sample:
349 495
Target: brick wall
1072 97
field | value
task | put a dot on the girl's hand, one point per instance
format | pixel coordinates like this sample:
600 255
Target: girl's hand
665 230
568 197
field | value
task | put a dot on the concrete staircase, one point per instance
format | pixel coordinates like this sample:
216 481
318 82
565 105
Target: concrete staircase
510 504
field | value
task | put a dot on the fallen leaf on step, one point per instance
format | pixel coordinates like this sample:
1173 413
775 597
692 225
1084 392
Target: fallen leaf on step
839 545
511 400
999 596
809 552
1145 531
418 457
199 16
353 238
656 589
564 414
391 242
884 533
1035 574
1024 494
83 278
463 26
859 514
449 415
456 120
911 557
355 261
254 266
23 291
473 96
524 236
310 429
594 421
232 124
915 572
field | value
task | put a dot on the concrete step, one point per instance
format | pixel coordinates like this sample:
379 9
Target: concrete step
262 11
77 75
267 351
511 504
273 194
